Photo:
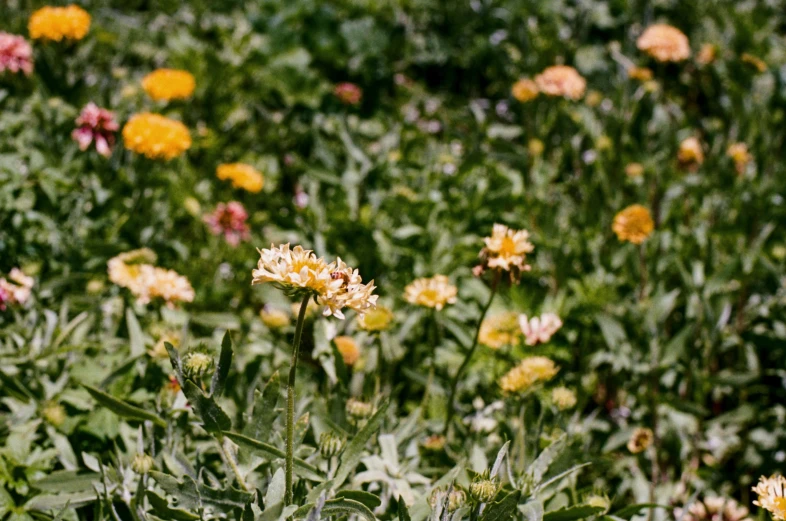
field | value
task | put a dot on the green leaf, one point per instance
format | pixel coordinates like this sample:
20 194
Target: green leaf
67 481
193 495
572 513
135 336
48 502
122 408
361 496
214 419
162 509
337 507
354 450
6 502
541 465
502 509
222 369
403 512
560 476
302 467
632 510
264 412
174 358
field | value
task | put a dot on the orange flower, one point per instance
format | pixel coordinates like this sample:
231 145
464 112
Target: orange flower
155 136
169 84
633 224
56 23
561 80
664 43
524 90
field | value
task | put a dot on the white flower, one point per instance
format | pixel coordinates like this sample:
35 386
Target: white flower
539 329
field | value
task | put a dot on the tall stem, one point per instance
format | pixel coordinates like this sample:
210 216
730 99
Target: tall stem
468 357
291 400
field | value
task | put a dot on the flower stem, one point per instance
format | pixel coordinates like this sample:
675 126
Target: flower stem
230 461
290 456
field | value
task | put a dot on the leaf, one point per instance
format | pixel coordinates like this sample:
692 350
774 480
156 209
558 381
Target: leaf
174 358
632 510
403 512
48 502
354 450
193 495
560 476
214 419
532 510
361 496
338 507
122 408
222 369
67 481
572 513
500 457
502 509
135 336
264 412
302 467
163 510
541 465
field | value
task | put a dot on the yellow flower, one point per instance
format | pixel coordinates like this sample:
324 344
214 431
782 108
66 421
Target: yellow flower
432 292
378 319
348 348
707 54
563 398
535 147
640 439
561 80
242 176
640 73
594 98
772 496
634 169
132 270
664 43
169 84
507 248
155 136
335 285
500 330
738 152
524 90
54 413
530 371
633 224
757 63
55 23
274 318
690 153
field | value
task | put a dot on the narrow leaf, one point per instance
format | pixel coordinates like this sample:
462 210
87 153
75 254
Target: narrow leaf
354 451
361 496
135 336
222 370
572 513
174 358
122 408
302 467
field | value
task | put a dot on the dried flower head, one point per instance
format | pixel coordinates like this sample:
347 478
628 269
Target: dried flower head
155 136
506 249
525 90
563 398
242 176
16 55
97 125
664 43
561 80
433 292
528 373
690 154
229 220
500 330
772 496
55 23
348 93
348 349
633 224
169 84
539 330
378 319
640 440
713 508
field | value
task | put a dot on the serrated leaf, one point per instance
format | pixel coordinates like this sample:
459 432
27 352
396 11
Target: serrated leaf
162 509
541 465
222 369
264 412
572 513
354 450
214 419
192 495
338 507
122 408
302 468
503 509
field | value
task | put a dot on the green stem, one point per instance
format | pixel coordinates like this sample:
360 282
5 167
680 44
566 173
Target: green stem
231 462
291 401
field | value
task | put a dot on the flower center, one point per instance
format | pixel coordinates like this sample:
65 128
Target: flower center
508 247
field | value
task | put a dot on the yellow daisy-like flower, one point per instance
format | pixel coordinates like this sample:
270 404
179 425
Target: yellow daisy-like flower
507 249
242 176
432 292
377 319
561 80
563 398
690 153
155 136
500 330
633 224
530 371
641 438
664 43
640 73
334 286
525 90
772 496
169 84
348 348
56 23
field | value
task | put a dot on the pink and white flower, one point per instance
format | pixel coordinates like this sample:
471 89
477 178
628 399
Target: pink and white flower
230 220
539 330
15 54
96 124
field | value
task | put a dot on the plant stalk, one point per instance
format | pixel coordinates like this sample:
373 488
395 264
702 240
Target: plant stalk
290 451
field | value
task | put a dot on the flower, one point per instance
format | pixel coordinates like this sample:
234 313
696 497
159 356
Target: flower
772 496
358 410
334 286
539 329
196 363
633 224
242 176
55 23
640 439
169 285
561 80
434 443
634 169
155 136
690 153
563 398
738 152
530 371
664 43
348 348
330 444
169 84
535 147
142 463
274 318
230 220
16 291
348 93
432 292
525 90
640 73
54 413
95 124
15 54
506 249
754 61
500 330
713 508
707 54
377 319
134 271
482 489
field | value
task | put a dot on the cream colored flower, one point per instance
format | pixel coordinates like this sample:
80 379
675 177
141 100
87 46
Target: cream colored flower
690 153
772 496
713 508
530 371
633 224
432 292
377 319
738 152
563 398
634 170
500 330
507 249
168 285
641 438
539 329
664 43
133 270
348 348
640 73
561 80
525 90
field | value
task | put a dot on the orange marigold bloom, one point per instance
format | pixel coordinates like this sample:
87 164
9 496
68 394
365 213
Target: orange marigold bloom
155 136
55 23
561 80
242 176
169 84
525 90
664 43
633 224
348 349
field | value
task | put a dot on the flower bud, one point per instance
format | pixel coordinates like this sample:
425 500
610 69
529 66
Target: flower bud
55 414
358 410
330 445
483 489
196 364
142 464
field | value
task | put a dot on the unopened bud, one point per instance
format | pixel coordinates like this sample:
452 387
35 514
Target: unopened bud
330 445
358 410
142 464
483 490
196 364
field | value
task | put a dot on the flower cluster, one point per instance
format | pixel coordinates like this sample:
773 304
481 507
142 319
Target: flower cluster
298 272
242 176
95 124
664 43
530 371
56 23
500 330
348 348
772 496
431 292
155 136
169 84
348 93
134 271
15 291
16 55
633 224
713 508
561 80
229 220
539 330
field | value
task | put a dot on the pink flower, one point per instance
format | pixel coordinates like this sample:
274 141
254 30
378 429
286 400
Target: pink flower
16 291
539 329
348 93
15 54
230 220
97 124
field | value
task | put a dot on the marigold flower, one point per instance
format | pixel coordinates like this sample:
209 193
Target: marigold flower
55 23
377 319
229 220
500 330
530 371
155 136
713 508
432 292
334 286
242 176
506 249
690 153
274 318
633 224
96 124
348 93
640 73
563 398
561 80
525 90
640 440
16 55
539 329
348 348
169 84
738 152
664 43
772 496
